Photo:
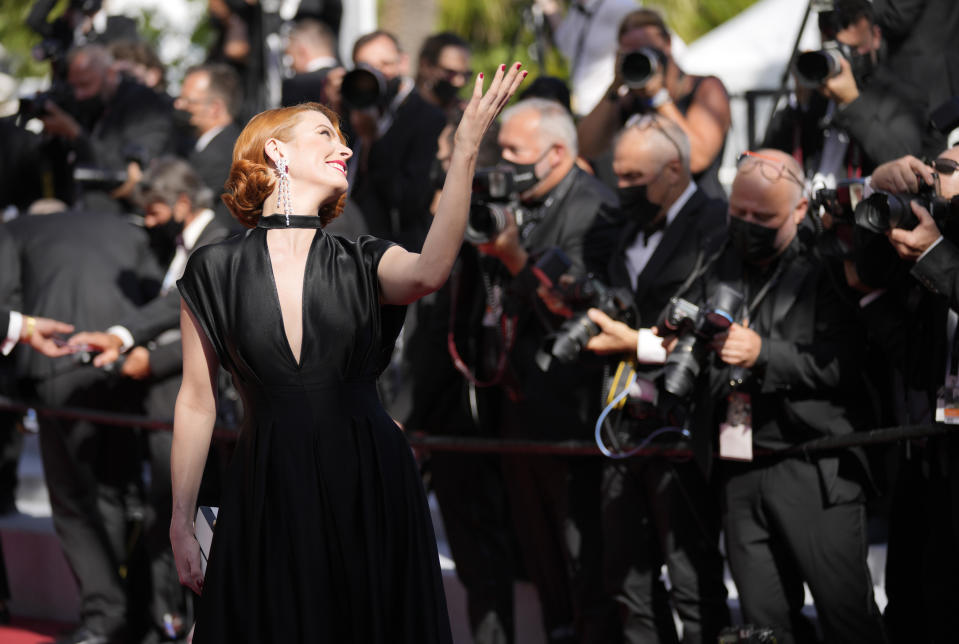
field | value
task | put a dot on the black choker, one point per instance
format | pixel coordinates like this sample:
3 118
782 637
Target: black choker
291 221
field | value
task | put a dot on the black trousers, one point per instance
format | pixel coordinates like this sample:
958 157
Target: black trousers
90 471
659 512
472 498
922 562
780 532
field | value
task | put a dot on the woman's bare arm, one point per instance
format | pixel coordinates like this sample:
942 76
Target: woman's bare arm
406 277
193 421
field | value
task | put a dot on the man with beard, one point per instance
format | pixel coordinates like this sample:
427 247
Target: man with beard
857 119
444 68
176 204
786 371
658 510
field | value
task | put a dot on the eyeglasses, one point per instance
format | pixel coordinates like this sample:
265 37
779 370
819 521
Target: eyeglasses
645 121
945 166
770 168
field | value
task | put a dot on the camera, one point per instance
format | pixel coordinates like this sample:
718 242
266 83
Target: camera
494 194
696 326
813 68
34 107
883 211
638 66
363 87
572 336
840 202
97 178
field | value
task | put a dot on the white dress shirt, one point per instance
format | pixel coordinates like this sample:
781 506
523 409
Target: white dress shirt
639 254
14 328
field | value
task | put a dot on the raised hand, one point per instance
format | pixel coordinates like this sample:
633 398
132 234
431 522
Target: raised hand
43 337
482 109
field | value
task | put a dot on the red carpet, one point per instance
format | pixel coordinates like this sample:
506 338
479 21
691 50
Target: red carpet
31 631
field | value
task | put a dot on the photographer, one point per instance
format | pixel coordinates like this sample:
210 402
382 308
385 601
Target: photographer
128 125
785 372
922 298
648 80
859 115
395 142
656 510
554 500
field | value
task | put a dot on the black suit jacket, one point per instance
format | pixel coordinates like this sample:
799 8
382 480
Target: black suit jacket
10 300
394 190
87 269
563 401
213 163
162 312
305 87
807 381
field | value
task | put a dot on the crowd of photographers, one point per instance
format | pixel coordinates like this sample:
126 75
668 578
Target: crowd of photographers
609 288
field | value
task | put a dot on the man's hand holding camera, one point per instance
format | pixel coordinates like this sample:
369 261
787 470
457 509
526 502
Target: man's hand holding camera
57 122
911 244
614 336
842 87
739 346
907 175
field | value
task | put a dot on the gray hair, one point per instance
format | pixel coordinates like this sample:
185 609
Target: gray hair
168 178
555 122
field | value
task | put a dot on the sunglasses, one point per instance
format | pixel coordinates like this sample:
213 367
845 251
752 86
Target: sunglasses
945 166
770 168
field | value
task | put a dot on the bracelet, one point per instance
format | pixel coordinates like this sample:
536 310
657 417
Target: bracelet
660 98
30 324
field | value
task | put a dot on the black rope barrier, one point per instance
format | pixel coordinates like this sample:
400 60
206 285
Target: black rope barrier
474 444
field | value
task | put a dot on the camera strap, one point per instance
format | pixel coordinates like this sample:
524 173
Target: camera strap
507 329
763 291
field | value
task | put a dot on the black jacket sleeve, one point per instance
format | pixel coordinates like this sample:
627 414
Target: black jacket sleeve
938 271
882 122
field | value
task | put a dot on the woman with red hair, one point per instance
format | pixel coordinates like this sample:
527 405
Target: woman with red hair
324 534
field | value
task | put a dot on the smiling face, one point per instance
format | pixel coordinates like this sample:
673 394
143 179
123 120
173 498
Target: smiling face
316 155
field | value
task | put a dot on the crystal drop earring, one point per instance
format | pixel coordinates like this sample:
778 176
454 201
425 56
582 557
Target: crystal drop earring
284 201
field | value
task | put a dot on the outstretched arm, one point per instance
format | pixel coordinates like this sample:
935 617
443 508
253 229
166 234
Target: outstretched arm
406 277
193 421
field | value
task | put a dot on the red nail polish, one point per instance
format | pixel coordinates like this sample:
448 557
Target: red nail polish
518 65
502 68
481 75
525 73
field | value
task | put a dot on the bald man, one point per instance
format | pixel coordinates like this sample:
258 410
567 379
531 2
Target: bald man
786 520
656 510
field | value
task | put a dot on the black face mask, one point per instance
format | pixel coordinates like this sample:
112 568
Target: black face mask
445 92
437 174
753 242
524 174
636 206
163 239
862 67
181 119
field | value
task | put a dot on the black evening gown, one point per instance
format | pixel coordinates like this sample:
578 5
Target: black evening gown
324 534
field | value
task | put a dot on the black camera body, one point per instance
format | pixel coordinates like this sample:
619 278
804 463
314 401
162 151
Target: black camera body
571 338
883 211
840 202
494 195
813 68
696 326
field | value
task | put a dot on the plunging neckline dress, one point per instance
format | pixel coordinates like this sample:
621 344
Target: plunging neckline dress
324 534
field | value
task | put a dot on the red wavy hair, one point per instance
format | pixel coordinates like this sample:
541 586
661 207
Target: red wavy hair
252 178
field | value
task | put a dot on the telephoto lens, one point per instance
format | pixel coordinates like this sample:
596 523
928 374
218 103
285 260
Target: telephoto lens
486 220
883 211
637 67
813 68
363 87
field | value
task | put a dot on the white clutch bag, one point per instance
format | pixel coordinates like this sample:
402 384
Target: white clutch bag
203 531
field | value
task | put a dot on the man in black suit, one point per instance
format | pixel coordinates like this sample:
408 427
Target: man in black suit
211 96
90 269
857 119
394 147
795 346
918 311
176 203
655 510
128 125
444 70
312 51
554 500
